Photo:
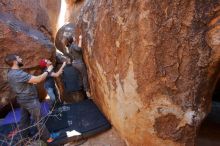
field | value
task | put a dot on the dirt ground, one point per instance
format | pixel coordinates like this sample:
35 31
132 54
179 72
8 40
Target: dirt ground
108 138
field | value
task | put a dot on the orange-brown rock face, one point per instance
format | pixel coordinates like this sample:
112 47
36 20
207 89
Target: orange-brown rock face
40 14
212 39
20 26
18 37
150 68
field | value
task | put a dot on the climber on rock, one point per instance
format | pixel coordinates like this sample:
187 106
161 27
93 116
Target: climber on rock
76 55
49 83
22 84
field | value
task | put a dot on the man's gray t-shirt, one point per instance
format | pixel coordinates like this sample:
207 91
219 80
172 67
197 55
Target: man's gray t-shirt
18 80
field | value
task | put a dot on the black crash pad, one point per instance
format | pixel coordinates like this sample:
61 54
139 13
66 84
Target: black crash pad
83 117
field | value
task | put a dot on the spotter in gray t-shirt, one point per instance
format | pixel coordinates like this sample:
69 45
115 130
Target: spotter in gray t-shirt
18 80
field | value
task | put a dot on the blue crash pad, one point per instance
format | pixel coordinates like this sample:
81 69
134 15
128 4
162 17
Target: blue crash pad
13 117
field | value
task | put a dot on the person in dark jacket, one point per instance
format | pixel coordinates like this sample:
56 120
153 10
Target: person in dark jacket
22 84
76 54
73 88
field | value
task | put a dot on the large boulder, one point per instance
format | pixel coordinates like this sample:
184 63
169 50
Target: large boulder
67 30
150 68
40 14
20 38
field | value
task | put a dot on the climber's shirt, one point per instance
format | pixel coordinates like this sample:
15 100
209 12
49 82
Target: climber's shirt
76 52
71 79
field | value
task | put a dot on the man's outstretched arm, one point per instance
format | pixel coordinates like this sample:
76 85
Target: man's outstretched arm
79 47
40 78
80 41
59 72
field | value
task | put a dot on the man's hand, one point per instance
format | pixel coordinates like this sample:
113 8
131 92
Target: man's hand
80 37
67 50
80 41
88 94
60 71
50 68
64 64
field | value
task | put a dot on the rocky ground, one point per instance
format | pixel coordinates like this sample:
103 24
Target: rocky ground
108 138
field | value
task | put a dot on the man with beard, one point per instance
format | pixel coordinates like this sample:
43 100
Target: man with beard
22 84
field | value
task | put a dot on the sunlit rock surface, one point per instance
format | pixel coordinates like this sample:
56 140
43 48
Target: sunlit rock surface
150 68
40 14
